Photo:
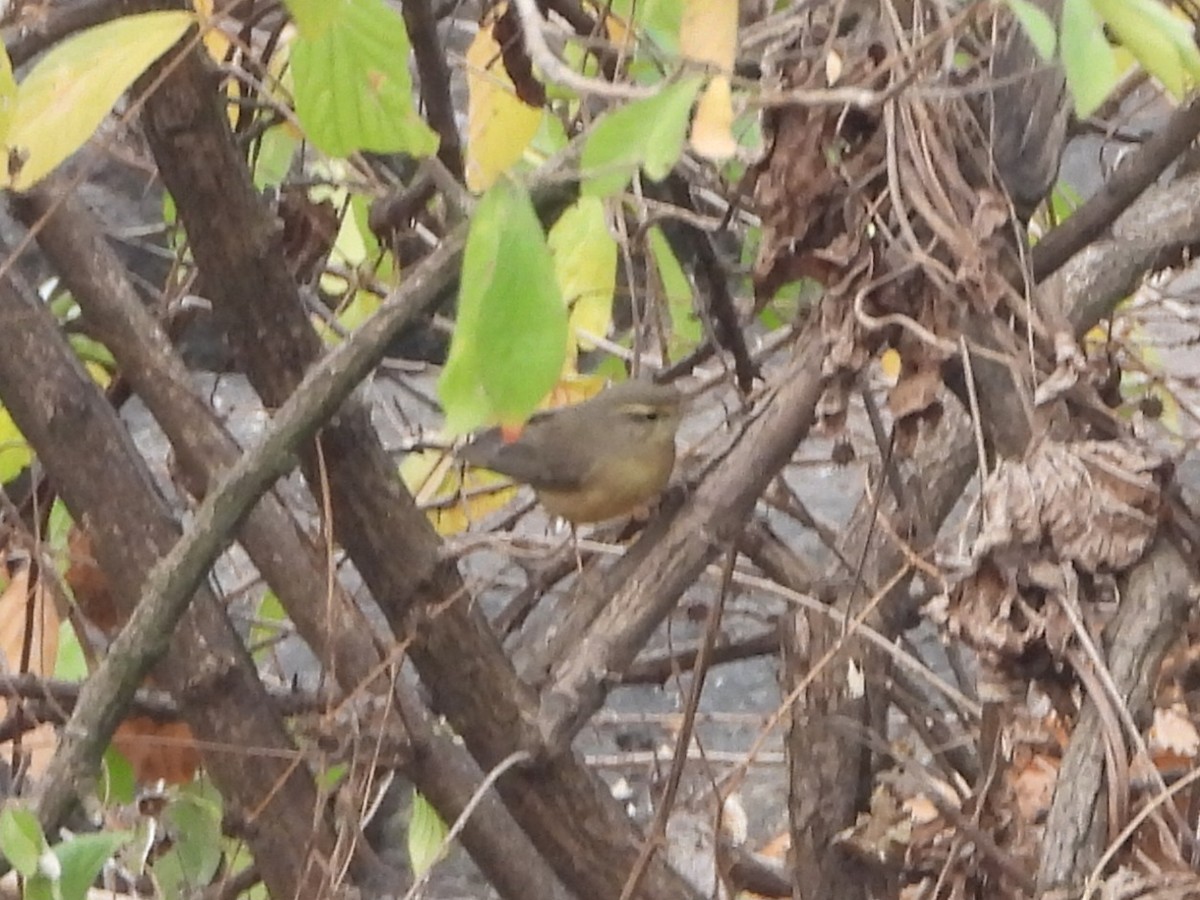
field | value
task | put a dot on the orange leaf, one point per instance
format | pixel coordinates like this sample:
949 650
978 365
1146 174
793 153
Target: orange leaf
28 626
90 585
158 750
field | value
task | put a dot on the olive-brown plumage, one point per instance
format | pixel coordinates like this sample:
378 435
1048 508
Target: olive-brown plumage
596 460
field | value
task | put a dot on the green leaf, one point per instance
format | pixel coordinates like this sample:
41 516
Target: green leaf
40 887
70 90
237 860
361 307
1064 200
657 20
1163 44
276 150
685 326
426 834
551 138
1038 26
585 264
120 786
312 17
268 621
69 663
330 778
647 133
15 454
194 824
360 216
58 534
83 856
790 300
21 839
1087 56
510 339
352 85
92 351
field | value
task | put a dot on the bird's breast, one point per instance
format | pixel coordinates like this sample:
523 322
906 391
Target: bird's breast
613 488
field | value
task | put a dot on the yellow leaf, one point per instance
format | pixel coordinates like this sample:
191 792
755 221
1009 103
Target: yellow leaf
99 374
585 264
890 363
712 124
708 32
619 33
8 94
71 89
215 40
452 497
499 125
574 389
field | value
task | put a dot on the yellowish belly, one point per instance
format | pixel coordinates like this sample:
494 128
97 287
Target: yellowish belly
614 490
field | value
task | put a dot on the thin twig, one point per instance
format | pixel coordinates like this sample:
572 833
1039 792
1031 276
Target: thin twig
533 25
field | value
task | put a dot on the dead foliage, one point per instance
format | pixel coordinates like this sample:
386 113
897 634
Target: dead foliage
899 205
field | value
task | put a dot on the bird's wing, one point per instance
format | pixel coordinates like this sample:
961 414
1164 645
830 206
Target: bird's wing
522 460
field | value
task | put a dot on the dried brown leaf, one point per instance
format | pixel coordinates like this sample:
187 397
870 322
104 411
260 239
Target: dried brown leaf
881 835
89 584
157 750
915 391
1095 503
1032 783
991 214
28 625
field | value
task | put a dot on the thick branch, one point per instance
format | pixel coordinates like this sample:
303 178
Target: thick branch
329 621
1135 174
1154 605
642 588
1159 224
289 560
565 809
55 22
435 81
146 701
107 487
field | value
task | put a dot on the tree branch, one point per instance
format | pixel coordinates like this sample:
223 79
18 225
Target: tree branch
642 587
1136 173
108 489
567 811
328 620
435 81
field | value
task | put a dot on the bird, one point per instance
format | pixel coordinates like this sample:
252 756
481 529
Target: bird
606 457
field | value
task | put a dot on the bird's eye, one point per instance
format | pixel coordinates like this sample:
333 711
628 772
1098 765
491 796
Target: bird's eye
640 413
